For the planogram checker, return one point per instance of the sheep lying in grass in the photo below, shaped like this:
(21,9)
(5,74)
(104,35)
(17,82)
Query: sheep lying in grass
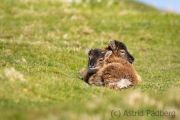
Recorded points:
(110,71)
(118,48)
(95,62)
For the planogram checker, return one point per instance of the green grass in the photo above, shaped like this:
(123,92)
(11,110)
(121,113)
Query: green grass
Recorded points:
(42,47)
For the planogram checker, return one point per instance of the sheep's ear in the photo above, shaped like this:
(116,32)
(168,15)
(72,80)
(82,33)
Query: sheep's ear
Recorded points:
(87,50)
(108,53)
(112,44)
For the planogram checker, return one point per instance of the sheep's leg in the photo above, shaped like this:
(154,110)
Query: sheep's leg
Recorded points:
(96,80)
(86,77)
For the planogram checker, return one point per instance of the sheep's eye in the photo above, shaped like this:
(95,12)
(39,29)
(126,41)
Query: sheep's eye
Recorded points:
(100,60)
(122,52)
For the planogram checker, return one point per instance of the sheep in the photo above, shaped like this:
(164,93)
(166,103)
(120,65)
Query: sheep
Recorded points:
(95,62)
(113,72)
(118,48)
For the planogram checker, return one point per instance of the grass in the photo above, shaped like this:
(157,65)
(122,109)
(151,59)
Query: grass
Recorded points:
(42,46)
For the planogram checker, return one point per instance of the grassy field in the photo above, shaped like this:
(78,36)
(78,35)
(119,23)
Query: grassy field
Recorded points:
(42,47)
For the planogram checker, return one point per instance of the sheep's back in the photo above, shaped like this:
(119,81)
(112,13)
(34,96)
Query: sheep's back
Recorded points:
(115,72)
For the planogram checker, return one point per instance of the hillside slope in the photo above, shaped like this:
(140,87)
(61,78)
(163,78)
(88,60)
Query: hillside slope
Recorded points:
(42,46)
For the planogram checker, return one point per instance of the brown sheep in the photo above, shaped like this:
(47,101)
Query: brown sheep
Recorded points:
(115,73)
(120,50)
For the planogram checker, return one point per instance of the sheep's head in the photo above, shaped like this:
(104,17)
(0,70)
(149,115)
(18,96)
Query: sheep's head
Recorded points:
(119,49)
(96,59)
